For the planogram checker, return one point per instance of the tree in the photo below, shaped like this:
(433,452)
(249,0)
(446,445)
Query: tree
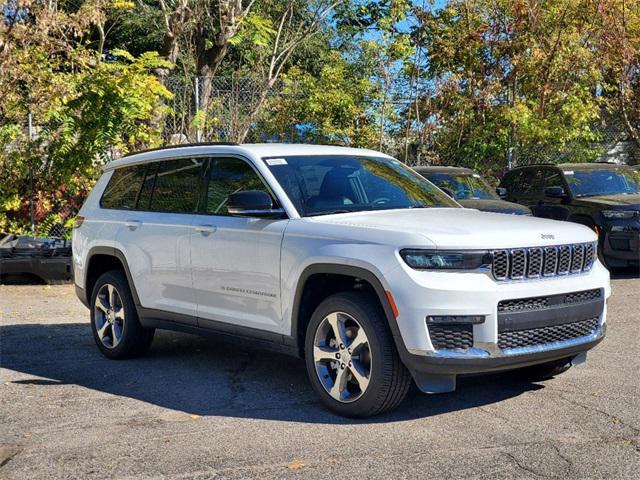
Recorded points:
(511,75)
(328,106)
(619,59)
(84,108)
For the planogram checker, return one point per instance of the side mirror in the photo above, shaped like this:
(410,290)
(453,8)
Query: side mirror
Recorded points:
(501,191)
(252,203)
(555,192)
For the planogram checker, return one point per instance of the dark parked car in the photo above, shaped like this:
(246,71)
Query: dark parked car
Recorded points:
(469,189)
(605,197)
(28,259)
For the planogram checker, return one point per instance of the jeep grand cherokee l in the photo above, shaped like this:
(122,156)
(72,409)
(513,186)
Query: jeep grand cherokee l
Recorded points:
(603,196)
(342,256)
(469,189)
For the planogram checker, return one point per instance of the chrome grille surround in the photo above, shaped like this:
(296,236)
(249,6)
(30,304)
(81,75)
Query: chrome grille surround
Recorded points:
(537,262)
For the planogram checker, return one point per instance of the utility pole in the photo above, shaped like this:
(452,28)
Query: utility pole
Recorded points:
(31,199)
(197,97)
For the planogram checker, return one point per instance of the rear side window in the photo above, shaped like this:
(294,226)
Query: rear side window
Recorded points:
(510,180)
(531,181)
(172,186)
(123,187)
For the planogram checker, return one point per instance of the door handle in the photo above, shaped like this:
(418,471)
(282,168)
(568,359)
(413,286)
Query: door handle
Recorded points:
(205,229)
(133,224)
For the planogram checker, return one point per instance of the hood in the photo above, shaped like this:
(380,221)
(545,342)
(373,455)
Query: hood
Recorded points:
(619,200)
(464,228)
(498,206)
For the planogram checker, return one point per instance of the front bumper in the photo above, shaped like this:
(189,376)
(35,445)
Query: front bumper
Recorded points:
(622,247)
(435,293)
(437,372)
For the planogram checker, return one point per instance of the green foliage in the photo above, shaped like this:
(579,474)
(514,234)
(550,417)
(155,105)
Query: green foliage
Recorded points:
(515,75)
(84,110)
(328,107)
(467,82)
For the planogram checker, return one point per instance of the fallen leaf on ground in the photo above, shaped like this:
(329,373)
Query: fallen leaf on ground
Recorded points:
(295,465)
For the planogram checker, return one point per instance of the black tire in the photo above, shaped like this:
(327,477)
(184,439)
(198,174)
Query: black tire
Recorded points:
(545,371)
(135,339)
(389,380)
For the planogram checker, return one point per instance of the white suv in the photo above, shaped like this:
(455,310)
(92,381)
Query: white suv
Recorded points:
(344,257)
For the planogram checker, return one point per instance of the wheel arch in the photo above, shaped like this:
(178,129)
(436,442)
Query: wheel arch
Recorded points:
(101,260)
(301,312)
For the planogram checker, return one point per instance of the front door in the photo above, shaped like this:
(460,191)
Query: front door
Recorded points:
(549,207)
(235,260)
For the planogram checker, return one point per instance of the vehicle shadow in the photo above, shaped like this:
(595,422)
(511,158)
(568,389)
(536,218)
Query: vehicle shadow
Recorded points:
(201,376)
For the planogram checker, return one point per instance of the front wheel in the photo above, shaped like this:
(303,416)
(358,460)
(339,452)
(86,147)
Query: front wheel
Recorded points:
(351,359)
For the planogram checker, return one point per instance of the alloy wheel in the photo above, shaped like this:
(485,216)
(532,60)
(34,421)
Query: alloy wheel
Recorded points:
(342,357)
(109,316)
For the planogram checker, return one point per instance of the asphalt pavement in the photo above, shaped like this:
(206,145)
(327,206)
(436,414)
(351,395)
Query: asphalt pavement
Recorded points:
(195,408)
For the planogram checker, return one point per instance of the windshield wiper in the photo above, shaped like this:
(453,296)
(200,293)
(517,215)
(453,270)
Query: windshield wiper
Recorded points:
(328,212)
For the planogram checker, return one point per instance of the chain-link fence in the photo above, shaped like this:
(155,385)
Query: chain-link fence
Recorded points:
(237,108)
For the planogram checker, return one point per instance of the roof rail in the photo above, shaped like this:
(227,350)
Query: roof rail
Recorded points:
(180,145)
(535,165)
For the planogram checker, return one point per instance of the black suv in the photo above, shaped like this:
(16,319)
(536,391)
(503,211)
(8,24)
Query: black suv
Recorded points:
(469,189)
(602,196)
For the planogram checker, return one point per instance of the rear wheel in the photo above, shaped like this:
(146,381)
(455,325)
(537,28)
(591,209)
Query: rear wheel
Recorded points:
(114,320)
(351,359)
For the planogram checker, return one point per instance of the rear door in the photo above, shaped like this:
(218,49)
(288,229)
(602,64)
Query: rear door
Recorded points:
(155,236)
(236,260)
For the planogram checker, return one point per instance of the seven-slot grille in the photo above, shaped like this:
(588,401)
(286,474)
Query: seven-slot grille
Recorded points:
(535,262)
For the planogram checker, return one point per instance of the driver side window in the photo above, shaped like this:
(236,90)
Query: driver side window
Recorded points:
(225,176)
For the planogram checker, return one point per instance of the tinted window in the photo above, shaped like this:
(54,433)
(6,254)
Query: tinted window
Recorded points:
(510,180)
(326,184)
(463,186)
(175,185)
(553,178)
(123,187)
(144,198)
(531,181)
(584,183)
(226,176)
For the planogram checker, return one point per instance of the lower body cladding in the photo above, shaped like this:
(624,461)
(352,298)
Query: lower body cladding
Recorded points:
(498,326)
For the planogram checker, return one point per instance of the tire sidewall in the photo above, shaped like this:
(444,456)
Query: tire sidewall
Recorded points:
(118,280)
(370,320)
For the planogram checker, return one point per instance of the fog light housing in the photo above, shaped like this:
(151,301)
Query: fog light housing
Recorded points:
(455,319)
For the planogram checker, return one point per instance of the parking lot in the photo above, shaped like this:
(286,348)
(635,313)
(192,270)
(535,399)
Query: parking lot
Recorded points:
(197,408)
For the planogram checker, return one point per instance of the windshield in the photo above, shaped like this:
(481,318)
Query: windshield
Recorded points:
(325,184)
(587,183)
(463,187)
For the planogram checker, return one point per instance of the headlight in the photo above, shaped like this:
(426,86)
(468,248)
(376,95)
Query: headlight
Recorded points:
(445,260)
(618,214)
